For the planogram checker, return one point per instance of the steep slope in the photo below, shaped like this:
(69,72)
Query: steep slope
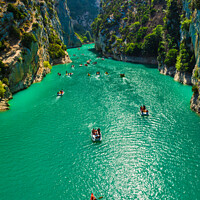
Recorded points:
(129,30)
(31,37)
(83,13)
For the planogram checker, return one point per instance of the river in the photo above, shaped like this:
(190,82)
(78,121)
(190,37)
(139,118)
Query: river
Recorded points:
(46,150)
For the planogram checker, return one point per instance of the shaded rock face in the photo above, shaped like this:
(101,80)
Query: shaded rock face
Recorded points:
(70,39)
(83,13)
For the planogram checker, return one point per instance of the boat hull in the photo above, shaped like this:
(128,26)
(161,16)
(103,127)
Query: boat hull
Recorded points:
(144,113)
(96,138)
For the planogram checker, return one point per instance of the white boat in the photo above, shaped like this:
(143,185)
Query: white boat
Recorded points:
(144,113)
(95,137)
(60,94)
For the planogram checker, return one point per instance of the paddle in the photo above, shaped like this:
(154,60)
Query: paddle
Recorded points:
(100,197)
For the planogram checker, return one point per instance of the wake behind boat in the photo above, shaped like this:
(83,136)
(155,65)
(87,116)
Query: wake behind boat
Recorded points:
(96,135)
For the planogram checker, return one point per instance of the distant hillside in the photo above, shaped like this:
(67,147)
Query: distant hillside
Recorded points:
(129,27)
(83,13)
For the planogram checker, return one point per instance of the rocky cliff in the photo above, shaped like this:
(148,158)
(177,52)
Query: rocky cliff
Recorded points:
(31,40)
(83,13)
(70,39)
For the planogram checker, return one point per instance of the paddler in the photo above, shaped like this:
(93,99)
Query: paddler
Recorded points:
(92,197)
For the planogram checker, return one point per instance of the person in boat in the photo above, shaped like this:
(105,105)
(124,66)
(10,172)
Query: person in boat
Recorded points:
(98,131)
(89,74)
(93,131)
(92,197)
(144,108)
(106,73)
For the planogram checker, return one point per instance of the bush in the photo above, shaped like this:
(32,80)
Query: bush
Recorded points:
(145,19)
(55,51)
(15,32)
(2,64)
(185,25)
(2,45)
(170,59)
(17,14)
(5,80)
(47,64)
(133,49)
(2,90)
(186,59)
(195,89)
(27,39)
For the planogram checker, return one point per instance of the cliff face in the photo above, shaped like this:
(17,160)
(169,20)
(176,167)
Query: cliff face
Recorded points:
(70,39)
(83,13)
(31,38)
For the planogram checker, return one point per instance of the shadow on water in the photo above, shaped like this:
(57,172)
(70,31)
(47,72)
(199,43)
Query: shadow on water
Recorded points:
(97,53)
(93,50)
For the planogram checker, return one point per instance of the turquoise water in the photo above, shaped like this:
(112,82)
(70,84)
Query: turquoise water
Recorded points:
(46,151)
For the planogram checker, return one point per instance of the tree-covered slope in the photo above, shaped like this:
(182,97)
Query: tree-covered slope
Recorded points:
(131,28)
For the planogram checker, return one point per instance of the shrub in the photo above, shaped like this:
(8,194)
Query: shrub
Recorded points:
(17,14)
(185,25)
(170,59)
(2,45)
(185,60)
(195,89)
(55,51)
(47,64)
(2,64)
(145,19)
(27,39)
(15,32)
(133,49)
(2,90)
(5,80)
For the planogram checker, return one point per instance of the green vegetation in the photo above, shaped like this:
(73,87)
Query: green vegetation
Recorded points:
(195,89)
(5,80)
(2,64)
(131,22)
(15,32)
(85,38)
(27,39)
(56,47)
(185,60)
(47,64)
(171,56)
(2,90)
(18,14)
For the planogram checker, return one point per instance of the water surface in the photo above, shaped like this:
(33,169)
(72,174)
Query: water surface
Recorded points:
(46,151)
